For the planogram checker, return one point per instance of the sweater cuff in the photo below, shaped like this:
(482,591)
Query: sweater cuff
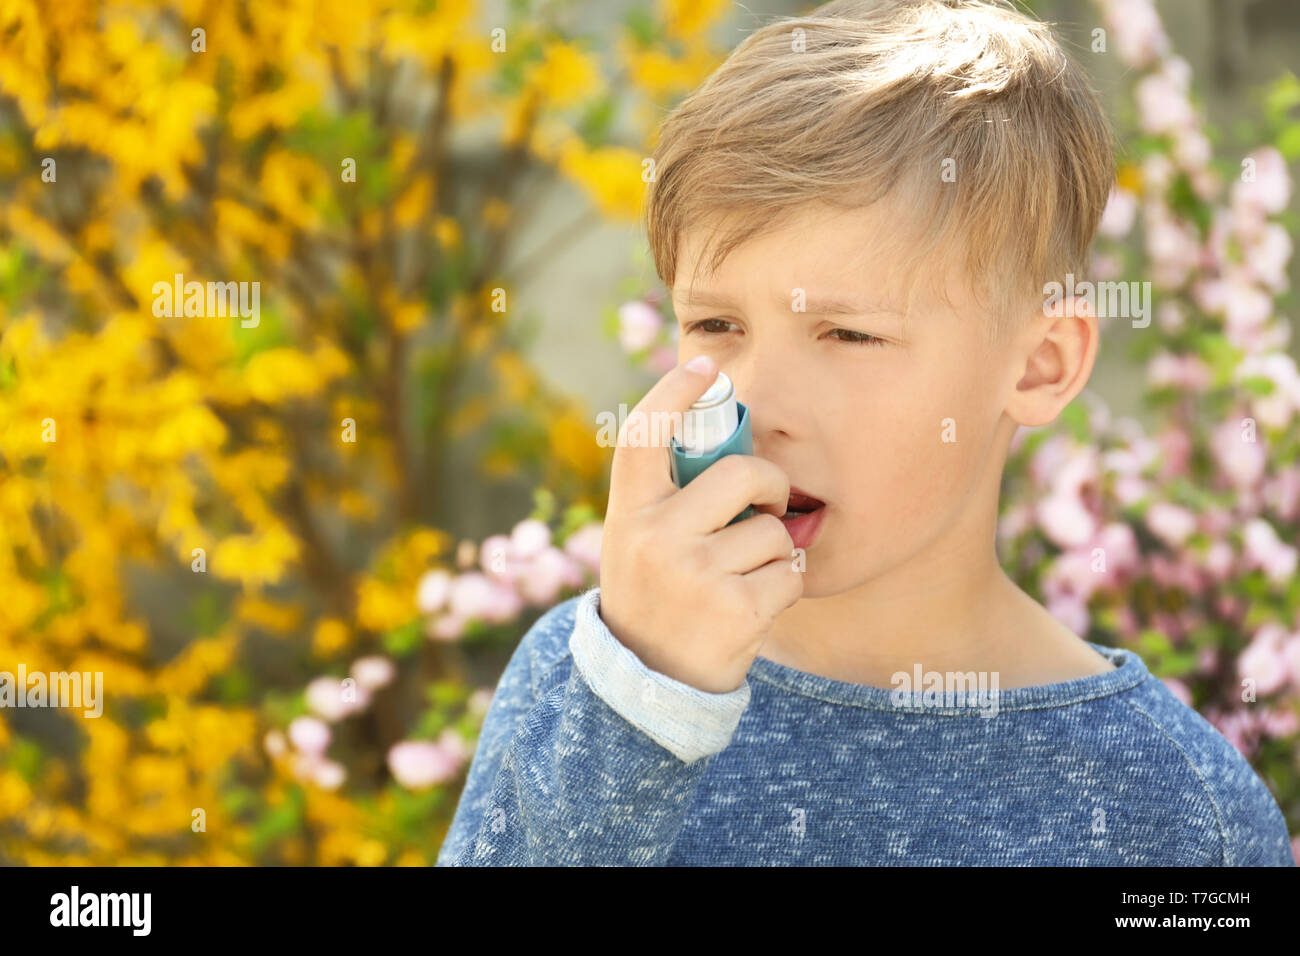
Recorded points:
(689,722)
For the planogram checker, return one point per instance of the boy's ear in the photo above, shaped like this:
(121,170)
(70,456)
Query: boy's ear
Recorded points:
(1054,358)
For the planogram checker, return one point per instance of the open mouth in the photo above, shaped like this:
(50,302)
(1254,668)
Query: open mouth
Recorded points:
(801,503)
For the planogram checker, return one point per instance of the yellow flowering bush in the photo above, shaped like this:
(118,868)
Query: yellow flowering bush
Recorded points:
(256,334)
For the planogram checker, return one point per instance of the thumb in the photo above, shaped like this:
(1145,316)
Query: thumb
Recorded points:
(639,474)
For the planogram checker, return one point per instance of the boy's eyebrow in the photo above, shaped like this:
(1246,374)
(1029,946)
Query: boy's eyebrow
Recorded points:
(819,305)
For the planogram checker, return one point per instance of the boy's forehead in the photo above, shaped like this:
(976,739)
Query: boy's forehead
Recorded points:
(837,261)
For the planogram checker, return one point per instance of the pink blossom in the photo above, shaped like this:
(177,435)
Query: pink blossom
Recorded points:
(1106,267)
(466,554)
(373,672)
(663,359)
(529,538)
(1120,545)
(1264,550)
(1176,451)
(1178,689)
(1171,523)
(639,324)
(433,591)
(1266,258)
(1236,727)
(1271,189)
(1228,607)
(1174,247)
(545,575)
(1162,101)
(479,702)
(503,604)
(328,774)
(1279,368)
(448,627)
(1117,218)
(1185,372)
(1048,457)
(1016,521)
(1290,652)
(472,594)
(1262,660)
(1279,722)
(584,545)
(309,735)
(1065,519)
(1241,461)
(1071,573)
(1282,493)
(328,697)
(275,744)
(1218,561)
(1070,611)
(1139,35)
(419,764)
(1131,489)
(1169,316)
(454,746)
(1191,148)
(496,557)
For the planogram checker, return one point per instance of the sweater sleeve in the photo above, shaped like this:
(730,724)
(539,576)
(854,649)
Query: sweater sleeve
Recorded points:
(597,768)
(1253,827)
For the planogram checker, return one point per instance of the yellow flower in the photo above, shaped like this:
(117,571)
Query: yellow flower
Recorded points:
(573,442)
(411,204)
(447,231)
(686,18)
(330,636)
(271,617)
(566,74)
(610,174)
(276,374)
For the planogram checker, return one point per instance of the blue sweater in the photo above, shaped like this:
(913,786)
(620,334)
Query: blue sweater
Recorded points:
(588,757)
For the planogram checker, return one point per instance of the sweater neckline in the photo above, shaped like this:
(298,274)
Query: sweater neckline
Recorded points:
(1130,670)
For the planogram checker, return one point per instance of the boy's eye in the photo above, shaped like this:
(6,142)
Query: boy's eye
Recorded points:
(853,337)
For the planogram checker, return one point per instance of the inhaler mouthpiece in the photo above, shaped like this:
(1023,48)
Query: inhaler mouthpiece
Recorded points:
(711,420)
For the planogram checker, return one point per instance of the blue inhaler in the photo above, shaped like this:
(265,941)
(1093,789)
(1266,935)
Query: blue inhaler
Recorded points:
(715,426)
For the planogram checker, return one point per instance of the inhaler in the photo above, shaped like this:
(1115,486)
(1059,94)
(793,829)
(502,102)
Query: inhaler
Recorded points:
(715,426)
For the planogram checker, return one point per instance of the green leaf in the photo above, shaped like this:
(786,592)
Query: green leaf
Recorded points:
(595,124)
(402,641)
(269,333)
(640,22)
(25,757)
(1075,417)
(1283,96)
(1258,384)
(1288,142)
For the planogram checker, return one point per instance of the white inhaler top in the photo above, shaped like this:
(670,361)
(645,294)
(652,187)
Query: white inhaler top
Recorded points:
(711,420)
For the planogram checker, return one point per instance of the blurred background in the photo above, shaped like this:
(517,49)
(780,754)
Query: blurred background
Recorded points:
(301,540)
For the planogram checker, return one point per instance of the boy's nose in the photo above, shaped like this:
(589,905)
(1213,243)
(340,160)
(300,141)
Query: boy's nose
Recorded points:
(760,391)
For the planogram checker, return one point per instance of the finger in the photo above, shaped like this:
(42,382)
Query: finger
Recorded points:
(749,544)
(774,587)
(724,490)
(639,473)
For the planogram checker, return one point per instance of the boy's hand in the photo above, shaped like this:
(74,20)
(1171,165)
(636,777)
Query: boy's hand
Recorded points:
(693,598)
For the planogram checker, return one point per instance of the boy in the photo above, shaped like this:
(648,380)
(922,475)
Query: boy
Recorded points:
(892,183)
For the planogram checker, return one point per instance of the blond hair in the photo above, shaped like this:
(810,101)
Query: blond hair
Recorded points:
(842,104)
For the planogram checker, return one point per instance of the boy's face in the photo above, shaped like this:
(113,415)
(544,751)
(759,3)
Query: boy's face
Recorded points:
(903,439)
